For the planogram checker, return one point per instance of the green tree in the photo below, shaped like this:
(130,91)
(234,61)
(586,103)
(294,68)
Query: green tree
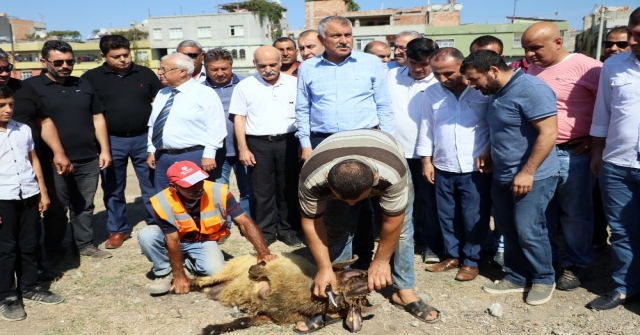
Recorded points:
(66,35)
(133,34)
(352,6)
(267,10)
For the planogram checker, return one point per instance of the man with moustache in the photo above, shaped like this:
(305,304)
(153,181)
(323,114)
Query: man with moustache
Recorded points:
(289,55)
(193,50)
(309,45)
(400,48)
(263,106)
(574,79)
(378,49)
(615,42)
(78,114)
(524,170)
(126,90)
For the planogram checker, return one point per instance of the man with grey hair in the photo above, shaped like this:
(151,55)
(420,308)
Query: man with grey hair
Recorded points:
(218,64)
(400,48)
(263,106)
(193,49)
(186,123)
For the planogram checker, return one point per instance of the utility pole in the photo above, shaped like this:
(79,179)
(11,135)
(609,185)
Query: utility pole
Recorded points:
(600,31)
(513,18)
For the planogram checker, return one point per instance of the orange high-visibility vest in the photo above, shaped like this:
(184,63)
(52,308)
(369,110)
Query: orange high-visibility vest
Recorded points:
(213,213)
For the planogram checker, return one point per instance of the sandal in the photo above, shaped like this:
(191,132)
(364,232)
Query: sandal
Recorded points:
(420,310)
(317,322)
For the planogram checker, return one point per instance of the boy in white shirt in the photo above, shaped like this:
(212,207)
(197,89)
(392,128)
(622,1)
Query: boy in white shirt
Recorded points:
(23,196)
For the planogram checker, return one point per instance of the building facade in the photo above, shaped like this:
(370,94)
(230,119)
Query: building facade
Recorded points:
(587,41)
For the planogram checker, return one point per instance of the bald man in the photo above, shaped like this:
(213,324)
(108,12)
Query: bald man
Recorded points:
(379,49)
(309,44)
(263,107)
(574,79)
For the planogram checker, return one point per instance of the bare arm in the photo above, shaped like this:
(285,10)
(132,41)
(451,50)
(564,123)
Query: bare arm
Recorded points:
(44,196)
(379,273)
(240,128)
(598,144)
(180,280)
(103,139)
(316,234)
(254,236)
(49,134)
(428,170)
(547,133)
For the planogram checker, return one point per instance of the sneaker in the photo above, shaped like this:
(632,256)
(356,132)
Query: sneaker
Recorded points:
(94,252)
(569,279)
(428,256)
(291,240)
(42,296)
(160,285)
(11,309)
(540,293)
(503,286)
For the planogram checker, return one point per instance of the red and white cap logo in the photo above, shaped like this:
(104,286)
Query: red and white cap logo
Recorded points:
(186,174)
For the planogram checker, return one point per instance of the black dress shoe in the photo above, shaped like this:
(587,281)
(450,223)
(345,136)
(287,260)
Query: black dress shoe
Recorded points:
(608,301)
(291,240)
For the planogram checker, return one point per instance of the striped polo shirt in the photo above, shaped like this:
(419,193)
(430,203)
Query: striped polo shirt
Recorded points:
(376,148)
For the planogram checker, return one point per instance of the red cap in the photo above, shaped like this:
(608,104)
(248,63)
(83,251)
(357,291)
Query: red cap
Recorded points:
(185,174)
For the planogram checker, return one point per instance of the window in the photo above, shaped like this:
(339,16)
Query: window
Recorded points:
(242,55)
(237,31)
(517,43)
(449,42)
(204,32)
(142,56)
(175,33)
(26,74)
(157,33)
(362,42)
(234,53)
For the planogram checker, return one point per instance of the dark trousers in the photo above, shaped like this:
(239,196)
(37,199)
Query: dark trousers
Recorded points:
(18,243)
(165,160)
(275,172)
(74,193)
(600,233)
(114,180)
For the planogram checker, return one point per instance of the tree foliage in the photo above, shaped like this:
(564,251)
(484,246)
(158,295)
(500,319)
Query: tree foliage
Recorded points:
(267,10)
(133,34)
(66,35)
(352,6)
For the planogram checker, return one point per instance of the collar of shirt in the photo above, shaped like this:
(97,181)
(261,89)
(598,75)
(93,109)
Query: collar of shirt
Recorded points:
(106,69)
(263,82)
(234,81)
(202,77)
(351,58)
(71,81)
(184,86)
(405,71)
(517,73)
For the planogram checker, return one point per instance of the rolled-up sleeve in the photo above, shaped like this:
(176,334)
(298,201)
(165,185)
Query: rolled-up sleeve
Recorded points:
(425,133)
(215,122)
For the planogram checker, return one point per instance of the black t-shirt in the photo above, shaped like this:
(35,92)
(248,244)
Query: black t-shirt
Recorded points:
(71,106)
(127,99)
(28,107)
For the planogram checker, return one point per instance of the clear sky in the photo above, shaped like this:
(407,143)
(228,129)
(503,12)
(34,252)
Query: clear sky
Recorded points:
(85,16)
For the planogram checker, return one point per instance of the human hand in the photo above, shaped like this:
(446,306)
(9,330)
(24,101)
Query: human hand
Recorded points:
(104,159)
(180,284)
(151,160)
(304,153)
(583,145)
(322,280)
(246,158)
(63,164)
(428,171)
(522,184)
(267,257)
(208,164)
(379,275)
(44,203)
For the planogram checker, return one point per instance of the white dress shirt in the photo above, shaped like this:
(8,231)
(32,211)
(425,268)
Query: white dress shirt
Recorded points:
(202,77)
(269,109)
(616,114)
(196,118)
(454,132)
(17,178)
(406,103)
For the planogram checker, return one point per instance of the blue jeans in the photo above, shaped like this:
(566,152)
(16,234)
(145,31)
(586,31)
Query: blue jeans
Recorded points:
(464,207)
(425,212)
(247,200)
(522,222)
(114,180)
(341,221)
(571,206)
(620,188)
(201,258)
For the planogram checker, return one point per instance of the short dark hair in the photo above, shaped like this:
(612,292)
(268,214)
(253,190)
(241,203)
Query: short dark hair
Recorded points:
(419,49)
(617,30)
(214,55)
(634,18)
(5,92)
(56,45)
(447,52)
(111,42)
(285,39)
(350,178)
(485,40)
(482,61)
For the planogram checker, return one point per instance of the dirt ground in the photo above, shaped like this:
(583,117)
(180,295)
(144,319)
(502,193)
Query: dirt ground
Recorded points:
(109,297)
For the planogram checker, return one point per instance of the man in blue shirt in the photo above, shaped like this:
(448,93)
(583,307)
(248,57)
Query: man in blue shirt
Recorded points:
(218,65)
(523,128)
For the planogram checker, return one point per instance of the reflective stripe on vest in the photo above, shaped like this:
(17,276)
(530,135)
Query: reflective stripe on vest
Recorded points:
(213,213)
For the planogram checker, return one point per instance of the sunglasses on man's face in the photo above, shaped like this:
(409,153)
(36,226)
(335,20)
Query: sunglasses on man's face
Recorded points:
(620,45)
(7,68)
(59,62)
(192,55)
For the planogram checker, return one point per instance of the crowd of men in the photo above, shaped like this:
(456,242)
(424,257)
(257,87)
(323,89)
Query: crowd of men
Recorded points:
(343,148)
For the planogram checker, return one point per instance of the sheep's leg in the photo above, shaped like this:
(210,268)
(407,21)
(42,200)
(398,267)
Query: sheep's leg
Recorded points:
(240,323)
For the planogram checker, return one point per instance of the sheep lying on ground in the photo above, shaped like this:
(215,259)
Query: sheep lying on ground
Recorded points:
(281,292)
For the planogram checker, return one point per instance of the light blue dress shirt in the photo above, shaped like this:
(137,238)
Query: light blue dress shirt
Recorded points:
(346,96)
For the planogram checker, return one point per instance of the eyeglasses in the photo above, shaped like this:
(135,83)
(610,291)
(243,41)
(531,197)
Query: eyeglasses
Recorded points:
(192,55)
(163,70)
(401,47)
(59,62)
(7,68)
(620,45)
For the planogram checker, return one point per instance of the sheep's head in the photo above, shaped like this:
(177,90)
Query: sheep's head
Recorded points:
(352,292)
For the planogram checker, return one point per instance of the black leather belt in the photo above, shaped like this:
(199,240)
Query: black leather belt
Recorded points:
(180,151)
(131,134)
(567,146)
(271,138)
